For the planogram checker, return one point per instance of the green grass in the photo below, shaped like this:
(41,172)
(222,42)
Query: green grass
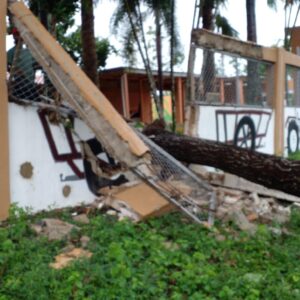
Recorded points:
(294,156)
(164,258)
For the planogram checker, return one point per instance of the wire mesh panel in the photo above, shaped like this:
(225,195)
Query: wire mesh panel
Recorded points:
(222,78)
(178,184)
(26,78)
(292,86)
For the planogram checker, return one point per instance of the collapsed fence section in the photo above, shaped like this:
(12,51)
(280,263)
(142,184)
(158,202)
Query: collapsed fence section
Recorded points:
(41,71)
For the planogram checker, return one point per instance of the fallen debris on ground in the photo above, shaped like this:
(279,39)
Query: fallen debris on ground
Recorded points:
(136,201)
(243,206)
(64,259)
(54,229)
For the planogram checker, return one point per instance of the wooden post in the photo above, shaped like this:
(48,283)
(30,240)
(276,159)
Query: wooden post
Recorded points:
(4,152)
(179,102)
(241,91)
(146,110)
(278,104)
(125,96)
(222,91)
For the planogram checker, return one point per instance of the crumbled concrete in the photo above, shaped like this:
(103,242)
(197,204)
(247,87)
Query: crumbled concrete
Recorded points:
(84,240)
(56,229)
(242,222)
(82,219)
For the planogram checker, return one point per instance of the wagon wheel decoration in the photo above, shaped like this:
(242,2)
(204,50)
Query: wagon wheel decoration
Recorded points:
(293,137)
(244,136)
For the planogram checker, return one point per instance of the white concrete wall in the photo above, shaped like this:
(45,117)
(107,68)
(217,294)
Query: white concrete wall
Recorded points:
(28,144)
(291,114)
(208,125)
(219,120)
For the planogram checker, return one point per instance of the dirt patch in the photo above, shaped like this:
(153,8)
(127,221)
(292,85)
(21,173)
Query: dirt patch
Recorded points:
(26,170)
(66,191)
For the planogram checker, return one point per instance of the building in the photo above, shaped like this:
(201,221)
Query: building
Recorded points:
(128,90)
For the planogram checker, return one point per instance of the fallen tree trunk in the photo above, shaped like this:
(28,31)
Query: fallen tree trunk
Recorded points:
(268,170)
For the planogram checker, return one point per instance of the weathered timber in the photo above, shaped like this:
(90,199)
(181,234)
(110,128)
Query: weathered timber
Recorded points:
(268,170)
(4,140)
(207,39)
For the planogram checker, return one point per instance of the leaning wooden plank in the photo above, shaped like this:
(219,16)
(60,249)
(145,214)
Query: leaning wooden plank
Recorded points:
(4,154)
(109,127)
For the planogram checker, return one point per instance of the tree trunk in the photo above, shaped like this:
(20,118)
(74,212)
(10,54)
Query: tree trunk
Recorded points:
(144,54)
(268,170)
(251,21)
(158,39)
(208,69)
(89,54)
(254,89)
(172,59)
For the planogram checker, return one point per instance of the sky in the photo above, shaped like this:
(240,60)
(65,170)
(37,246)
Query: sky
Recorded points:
(270,24)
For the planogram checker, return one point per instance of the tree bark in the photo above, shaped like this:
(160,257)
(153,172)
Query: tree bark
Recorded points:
(268,170)
(254,89)
(158,39)
(208,68)
(89,54)
(251,21)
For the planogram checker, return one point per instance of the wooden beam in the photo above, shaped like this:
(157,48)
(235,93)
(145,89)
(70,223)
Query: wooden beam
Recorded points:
(269,54)
(207,39)
(88,92)
(4,139)
(146,110)
(278,104)
(291,58)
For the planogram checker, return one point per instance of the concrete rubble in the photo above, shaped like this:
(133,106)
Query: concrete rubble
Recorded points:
(247,206)
(54,229)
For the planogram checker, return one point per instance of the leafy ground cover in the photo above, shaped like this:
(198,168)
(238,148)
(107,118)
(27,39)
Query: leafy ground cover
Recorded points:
(163,258)
(294,156)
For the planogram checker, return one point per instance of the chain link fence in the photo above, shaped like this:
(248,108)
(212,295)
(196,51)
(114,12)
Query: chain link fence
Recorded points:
(26,79)
(292,86)
(222,78)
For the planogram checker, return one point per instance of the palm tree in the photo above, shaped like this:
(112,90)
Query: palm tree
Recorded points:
(209,11)
(290,24)
(253,90)
(161,11)
(172,62)
(251,21)
(89,51)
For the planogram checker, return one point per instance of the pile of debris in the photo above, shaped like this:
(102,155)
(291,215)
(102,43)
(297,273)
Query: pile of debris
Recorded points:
(237,200)
(240,201)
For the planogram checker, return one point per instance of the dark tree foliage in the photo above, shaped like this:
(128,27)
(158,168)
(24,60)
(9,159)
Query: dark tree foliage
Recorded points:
(72,43)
